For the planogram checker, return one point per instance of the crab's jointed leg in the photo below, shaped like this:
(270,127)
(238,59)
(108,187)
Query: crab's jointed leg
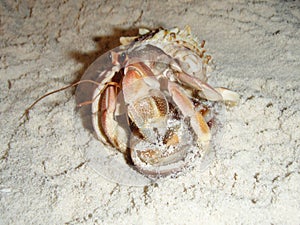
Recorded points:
(186,106)
(230,98)
(105,118)
(208,92)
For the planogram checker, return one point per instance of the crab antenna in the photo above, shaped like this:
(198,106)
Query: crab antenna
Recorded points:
(26,113)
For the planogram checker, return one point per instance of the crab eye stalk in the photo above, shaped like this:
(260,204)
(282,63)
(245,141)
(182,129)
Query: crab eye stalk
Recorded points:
(114,57)
(122,57)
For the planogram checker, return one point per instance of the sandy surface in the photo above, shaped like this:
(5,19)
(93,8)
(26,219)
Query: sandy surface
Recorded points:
(254,175)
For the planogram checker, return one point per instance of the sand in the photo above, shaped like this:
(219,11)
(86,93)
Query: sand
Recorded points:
(253,174)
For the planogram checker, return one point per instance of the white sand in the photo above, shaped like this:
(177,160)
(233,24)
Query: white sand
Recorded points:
(254,177)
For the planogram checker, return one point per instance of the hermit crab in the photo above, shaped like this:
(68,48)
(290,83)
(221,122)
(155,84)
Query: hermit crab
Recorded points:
(150,99)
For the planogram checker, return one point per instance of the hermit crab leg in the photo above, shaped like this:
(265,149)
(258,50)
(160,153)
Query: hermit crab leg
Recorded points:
(231,98)
(104,119)
(104,106)
(207,91)
(186,106)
